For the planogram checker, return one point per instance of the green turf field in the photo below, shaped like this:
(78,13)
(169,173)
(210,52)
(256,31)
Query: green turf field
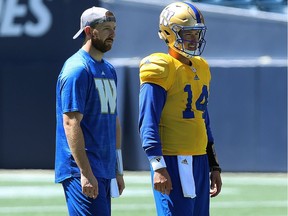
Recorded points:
(31,193)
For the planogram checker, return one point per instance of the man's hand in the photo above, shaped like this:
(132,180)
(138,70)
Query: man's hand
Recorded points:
(162,181)
(216,183)
(89,186)
(121,183)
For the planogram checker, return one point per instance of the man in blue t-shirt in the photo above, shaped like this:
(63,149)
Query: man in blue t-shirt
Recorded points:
(88,150)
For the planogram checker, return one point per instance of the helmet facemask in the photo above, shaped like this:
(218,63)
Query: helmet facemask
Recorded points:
(197,39)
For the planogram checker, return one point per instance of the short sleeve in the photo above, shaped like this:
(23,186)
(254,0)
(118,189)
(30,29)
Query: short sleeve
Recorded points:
(74,88)
(156,69)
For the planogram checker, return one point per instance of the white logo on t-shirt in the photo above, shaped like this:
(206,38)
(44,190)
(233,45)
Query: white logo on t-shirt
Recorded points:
(107,94)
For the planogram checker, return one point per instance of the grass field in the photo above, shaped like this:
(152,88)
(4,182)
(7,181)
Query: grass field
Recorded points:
(32,192)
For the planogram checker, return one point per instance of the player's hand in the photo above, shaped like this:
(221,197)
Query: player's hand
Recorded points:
(89,186)
(162,181)
(216,183)
(121,183)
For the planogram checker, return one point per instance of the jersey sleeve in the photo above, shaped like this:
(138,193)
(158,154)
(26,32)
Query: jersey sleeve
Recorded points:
(151,102)
(73,88)
(156,69)
(208,129)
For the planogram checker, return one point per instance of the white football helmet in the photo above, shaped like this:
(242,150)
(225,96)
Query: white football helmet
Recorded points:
(182,16)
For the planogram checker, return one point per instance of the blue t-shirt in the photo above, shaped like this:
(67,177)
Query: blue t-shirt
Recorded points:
(89,87)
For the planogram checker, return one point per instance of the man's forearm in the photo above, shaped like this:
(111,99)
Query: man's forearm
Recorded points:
(76,144)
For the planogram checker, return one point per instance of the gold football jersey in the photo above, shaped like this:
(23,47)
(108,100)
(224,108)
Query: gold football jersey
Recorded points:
(182,127)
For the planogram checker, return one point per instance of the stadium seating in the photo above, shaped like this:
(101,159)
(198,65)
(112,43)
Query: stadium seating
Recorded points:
(278,6)
(272,5)
(231,3)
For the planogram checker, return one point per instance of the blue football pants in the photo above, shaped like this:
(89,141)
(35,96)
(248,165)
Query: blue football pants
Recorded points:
(81,205)
(176,204)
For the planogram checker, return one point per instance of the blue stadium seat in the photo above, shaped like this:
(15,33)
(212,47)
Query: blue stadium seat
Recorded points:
(216,2)
(208,1)
(238,3)
(272,5)
(229,3)
(279,6)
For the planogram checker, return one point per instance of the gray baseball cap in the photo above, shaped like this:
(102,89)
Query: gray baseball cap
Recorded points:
(92,16)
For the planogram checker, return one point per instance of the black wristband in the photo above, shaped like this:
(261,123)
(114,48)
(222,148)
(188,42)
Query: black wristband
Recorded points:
(212,158)
(215,169)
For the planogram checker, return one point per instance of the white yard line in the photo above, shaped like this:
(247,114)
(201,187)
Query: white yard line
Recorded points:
(144,177)
(61,209)
(141,206)
(19,192)
(32,209)
(46,192)
(249,204)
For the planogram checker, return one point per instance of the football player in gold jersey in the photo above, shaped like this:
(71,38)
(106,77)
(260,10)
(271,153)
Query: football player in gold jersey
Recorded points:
(173,116)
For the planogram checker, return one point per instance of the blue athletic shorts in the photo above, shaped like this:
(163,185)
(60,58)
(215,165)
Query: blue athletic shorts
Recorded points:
(176,204)
(80,205)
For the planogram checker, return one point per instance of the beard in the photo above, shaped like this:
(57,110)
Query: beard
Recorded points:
(102,46)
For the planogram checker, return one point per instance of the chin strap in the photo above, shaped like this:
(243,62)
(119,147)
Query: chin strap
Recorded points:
(213,161)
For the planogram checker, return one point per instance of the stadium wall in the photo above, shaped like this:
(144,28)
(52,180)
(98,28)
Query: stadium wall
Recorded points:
(247,53)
